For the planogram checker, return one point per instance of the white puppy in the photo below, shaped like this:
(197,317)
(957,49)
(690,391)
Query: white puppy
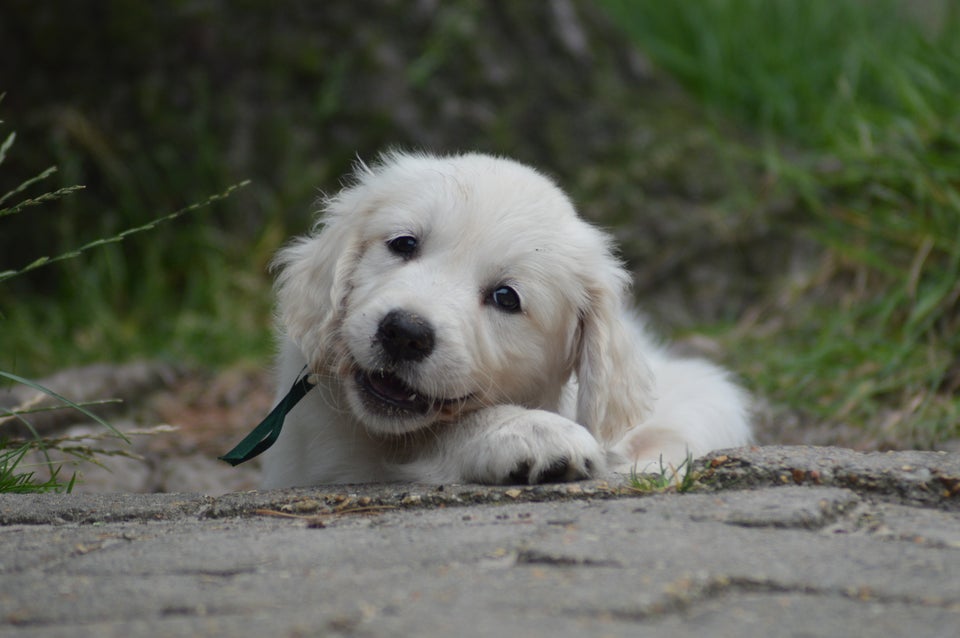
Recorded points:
(464,325)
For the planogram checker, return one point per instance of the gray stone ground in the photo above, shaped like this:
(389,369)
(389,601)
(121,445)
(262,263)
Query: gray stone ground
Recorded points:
(776,541)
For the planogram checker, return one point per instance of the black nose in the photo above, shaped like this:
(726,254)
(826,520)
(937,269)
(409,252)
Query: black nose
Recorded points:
(405,336)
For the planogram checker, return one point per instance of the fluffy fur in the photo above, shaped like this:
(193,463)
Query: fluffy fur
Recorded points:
(465,325)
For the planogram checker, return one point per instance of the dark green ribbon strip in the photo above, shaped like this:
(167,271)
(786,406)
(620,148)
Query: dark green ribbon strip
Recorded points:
(265,434)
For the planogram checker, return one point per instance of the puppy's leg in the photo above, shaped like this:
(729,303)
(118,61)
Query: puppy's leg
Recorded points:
(697,408)
(509,444)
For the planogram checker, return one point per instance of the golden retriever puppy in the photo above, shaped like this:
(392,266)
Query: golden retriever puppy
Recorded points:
(463,324)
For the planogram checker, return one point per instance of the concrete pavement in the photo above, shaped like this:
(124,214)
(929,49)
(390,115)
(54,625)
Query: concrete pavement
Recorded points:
(775,541)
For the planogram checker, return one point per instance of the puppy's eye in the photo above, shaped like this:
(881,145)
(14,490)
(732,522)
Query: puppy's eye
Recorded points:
(405,245)
(506,299)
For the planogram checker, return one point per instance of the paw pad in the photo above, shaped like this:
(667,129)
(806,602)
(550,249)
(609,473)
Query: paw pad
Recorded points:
(558,471)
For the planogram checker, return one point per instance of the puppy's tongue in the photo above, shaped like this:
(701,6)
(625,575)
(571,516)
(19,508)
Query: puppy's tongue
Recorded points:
(391,387)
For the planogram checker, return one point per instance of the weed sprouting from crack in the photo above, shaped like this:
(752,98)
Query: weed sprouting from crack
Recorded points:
(668,478)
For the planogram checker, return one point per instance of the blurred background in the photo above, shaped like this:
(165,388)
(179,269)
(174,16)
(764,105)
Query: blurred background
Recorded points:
(783,176)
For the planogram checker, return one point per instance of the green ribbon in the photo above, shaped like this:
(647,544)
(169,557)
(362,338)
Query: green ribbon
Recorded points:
(265,434)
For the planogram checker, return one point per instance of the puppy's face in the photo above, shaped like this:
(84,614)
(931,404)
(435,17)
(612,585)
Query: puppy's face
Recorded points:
(458,283)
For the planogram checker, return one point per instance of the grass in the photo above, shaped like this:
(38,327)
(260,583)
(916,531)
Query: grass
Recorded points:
(13,452)
(14,479)
(665,479)
(169,293)
(857,105)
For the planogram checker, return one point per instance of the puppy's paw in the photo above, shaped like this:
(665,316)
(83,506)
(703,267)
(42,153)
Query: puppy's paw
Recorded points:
(532,446)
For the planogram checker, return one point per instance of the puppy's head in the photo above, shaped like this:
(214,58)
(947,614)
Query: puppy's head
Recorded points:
(435,286)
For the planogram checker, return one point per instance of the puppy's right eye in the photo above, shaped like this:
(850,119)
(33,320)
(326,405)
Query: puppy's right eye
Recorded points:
(405,246)
(506,299)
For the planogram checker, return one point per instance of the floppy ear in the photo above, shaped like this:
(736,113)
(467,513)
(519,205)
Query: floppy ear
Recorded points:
(314,274)
(615,383)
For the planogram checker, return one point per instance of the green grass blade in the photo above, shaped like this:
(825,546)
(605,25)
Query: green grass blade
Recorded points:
(64,400)
(24,186)
(7,143)
(14,481)
(36,201)
(42,261)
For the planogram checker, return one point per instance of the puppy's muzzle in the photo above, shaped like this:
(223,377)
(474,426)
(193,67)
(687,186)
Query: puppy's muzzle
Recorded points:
(405,336)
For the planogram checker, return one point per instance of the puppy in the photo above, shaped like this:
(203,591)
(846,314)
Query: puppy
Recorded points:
(463,324)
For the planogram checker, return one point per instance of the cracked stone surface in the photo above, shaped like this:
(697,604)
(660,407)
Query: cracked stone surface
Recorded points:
(921,478)
(864,557)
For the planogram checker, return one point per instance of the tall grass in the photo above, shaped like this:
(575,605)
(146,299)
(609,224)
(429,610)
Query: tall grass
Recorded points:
(13,453)
(859,104)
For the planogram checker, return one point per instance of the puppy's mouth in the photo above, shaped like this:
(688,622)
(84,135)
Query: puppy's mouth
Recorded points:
(386,393)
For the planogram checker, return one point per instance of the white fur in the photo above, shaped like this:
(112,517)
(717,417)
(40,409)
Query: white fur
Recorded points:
(568,388)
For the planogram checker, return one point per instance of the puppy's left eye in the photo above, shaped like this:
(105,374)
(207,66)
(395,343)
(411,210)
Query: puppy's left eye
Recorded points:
(405,245)
(506,299)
